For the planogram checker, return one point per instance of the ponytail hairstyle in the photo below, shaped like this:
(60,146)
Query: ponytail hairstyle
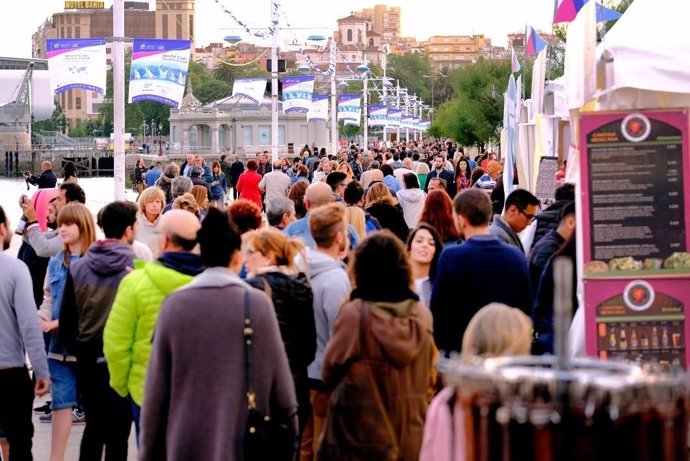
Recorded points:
(270,240)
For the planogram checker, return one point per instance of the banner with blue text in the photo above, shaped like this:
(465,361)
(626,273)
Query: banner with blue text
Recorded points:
(159,71)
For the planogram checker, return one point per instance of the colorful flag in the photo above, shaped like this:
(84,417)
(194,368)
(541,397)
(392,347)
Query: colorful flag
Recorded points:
(566,10)
(606,14)
(77,63)
(297,93)
(514,63)
(318,111)
(534,44)
(159,70)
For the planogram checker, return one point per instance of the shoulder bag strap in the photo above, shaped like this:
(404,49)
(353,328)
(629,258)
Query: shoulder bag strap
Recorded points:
(248,334)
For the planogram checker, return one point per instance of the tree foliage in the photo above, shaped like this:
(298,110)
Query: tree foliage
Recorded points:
(475,115)
(56,122)
(412,71)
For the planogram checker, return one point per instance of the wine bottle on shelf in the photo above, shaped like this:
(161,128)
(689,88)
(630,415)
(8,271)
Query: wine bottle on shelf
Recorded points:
(664,337)
(644,340)
(634,343)
(612,338)
(623,342)
(655,338)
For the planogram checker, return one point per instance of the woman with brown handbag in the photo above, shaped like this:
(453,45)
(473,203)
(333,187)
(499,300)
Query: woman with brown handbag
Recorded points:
(381,375)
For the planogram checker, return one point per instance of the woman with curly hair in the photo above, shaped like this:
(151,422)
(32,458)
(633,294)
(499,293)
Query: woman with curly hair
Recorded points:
(438,211)
(245,214)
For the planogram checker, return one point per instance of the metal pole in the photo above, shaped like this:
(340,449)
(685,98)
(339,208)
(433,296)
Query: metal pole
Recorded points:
(397,106)
(274,81)
(334,120)
(119,97)
(366,111)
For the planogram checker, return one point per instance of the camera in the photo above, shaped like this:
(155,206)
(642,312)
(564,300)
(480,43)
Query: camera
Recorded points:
(21,225)
(27,173)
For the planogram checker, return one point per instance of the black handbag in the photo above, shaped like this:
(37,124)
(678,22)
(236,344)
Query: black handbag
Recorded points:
(266,437)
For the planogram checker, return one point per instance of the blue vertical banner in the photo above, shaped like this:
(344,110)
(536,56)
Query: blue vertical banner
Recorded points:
(394,116)
(159,71)
(77,63)
(318,111)
(407,121)
(349,107)
(378,115)
(297,93)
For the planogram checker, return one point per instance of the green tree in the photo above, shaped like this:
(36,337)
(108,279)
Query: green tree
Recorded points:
(212,90)
(476,114)
(410,71)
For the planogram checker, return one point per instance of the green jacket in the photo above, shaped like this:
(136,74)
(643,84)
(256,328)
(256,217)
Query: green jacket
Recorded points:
(127,338)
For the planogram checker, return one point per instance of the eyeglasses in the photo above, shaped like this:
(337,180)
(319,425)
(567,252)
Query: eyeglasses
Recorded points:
(530,217)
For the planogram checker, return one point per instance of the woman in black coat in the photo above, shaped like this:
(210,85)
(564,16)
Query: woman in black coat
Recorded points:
(270,262)
(386,209)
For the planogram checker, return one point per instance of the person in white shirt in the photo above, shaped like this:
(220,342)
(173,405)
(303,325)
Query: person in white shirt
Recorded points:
(275,183)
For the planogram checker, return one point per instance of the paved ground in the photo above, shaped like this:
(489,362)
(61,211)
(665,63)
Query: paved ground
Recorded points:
(41,448)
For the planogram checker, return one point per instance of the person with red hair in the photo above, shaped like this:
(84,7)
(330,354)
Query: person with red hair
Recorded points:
(438,211)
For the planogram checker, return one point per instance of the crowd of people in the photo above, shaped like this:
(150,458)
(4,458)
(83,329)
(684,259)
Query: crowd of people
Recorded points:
(319,291)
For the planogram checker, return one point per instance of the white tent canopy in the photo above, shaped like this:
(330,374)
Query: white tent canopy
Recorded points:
(647,56)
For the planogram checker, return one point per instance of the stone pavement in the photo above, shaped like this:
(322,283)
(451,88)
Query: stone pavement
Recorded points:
(41,447)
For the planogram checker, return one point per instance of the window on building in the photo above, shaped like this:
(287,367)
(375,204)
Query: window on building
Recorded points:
(69,100)
(178,23)
(247,135)
(69,19)
(77,32)
(371,42)
(265,135)
(191,26)
(349,35)
(164,20)
(77,103)
(69,32)
(281,135)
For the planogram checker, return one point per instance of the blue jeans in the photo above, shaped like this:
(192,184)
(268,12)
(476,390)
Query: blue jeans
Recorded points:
(136,413)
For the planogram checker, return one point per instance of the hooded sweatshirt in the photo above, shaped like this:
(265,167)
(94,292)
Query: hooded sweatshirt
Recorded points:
(412,203)
(399,340)
(91,287)
(331,287)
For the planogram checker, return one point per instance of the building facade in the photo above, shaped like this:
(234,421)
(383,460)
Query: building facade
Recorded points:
(239,125)
(453,51)
(383,20)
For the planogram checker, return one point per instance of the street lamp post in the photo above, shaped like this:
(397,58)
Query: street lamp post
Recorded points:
(160,144)
(274,82)
(144,126)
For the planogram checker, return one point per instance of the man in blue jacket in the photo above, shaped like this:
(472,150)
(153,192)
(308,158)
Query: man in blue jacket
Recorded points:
(480,271)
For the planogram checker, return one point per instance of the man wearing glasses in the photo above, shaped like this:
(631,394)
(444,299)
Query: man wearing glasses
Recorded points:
(520,210)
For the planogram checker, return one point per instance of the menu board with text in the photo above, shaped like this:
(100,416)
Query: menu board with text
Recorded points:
(635,174)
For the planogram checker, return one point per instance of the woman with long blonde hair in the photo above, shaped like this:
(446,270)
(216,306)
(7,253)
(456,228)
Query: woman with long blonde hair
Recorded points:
(77,230)
(385,208)
(357,219)
(271,267)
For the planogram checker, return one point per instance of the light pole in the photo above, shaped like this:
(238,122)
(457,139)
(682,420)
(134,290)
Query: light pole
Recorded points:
(119,98)
(160,144)
(144,126)
(274,80)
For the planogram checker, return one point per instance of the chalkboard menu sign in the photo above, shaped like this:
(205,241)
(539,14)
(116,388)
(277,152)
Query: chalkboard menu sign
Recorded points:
(546,181)
(636,204)
(634,201)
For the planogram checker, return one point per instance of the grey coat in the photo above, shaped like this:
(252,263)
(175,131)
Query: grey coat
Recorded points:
(194,404)
(505,233)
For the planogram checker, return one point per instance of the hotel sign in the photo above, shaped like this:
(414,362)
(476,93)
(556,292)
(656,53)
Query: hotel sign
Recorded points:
(84,5)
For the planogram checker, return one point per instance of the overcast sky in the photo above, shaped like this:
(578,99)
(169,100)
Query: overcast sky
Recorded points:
(420,18)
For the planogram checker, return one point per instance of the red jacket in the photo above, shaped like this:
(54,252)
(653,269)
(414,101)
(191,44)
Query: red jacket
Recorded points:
(248,186)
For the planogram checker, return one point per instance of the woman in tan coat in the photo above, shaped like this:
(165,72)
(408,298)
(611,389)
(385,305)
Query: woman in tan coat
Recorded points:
(380,360)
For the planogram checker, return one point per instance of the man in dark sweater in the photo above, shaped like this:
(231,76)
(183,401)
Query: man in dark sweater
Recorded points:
(550,243)
(47,180)
(90,290)
(480,271)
